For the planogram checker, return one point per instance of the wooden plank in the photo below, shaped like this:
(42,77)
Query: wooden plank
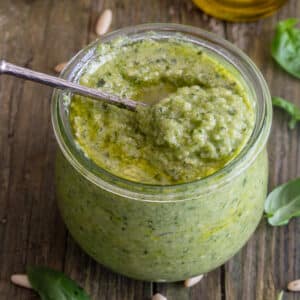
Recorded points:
(31,231)
(41,36)
(27,106)
(97,280)
(184,12)
(209,288)
(270,259)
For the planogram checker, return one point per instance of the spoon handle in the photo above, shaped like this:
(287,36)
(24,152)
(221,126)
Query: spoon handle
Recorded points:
(11,69)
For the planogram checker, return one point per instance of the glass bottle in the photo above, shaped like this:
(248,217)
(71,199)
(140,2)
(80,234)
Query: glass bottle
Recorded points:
(239,10)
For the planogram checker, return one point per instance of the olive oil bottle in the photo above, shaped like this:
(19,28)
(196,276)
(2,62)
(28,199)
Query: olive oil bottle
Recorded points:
(239,10)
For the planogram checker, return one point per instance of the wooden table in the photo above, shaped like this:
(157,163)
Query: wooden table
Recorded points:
(40,34)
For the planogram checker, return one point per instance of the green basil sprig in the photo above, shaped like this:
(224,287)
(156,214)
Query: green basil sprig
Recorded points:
(283,203)
(54,285)
(286,46)
(290,108)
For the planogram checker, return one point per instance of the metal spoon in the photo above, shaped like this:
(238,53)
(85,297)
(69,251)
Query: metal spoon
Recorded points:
(11,69)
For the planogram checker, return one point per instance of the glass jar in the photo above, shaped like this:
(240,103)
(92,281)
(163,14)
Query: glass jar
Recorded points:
(164,233)
(239,10)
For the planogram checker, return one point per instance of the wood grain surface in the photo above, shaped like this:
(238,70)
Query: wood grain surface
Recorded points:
(41,34)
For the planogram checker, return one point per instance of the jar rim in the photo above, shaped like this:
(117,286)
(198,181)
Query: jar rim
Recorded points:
(148,192)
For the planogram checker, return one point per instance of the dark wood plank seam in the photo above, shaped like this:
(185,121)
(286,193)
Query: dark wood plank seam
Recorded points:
(11,128)
(10,132)
(222,268)
(9,191)
(223,282)
(68,235)
(89,28)
(50,8)
(41,185)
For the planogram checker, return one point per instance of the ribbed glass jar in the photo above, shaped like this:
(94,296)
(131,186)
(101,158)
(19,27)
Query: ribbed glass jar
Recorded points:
(164,233)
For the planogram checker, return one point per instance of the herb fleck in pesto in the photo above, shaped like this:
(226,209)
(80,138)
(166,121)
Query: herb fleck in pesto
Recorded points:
(199,120)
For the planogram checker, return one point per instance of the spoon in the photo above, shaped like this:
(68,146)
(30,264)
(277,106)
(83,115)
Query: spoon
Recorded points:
(17,71)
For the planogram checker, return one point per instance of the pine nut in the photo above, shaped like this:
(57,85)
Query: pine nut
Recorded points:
(158,296)
(21,280)
(58,68)
(294,286)
(104,22)
(192,281)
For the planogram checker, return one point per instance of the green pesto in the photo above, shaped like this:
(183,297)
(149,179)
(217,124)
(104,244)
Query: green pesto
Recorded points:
(162,241)
(198,121)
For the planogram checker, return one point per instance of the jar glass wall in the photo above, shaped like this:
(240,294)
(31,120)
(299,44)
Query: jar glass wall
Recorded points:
(164,233)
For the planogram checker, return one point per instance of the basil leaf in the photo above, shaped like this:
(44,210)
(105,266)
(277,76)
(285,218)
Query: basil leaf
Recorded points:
(283,203)
(280,295)
(286,46)
(54,285)
(290,108)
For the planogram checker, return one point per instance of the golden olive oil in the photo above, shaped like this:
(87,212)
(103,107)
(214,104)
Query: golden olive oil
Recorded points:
(239,10)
